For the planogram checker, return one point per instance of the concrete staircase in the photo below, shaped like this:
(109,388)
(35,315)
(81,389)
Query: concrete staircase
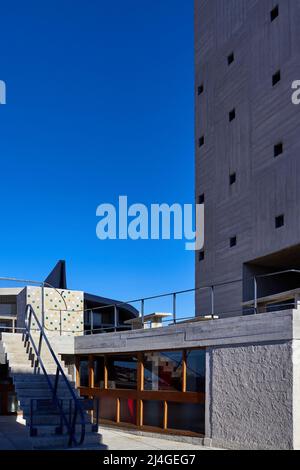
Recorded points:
(30,383)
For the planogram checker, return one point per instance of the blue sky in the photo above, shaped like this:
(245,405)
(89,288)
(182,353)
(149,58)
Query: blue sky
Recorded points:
(99,104)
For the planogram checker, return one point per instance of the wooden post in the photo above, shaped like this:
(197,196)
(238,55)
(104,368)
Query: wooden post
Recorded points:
(140,372)
(91,371)
(140,413)
(118,411)
(165,422)
(184,371)
(105,374)
(140,388)
(77,374)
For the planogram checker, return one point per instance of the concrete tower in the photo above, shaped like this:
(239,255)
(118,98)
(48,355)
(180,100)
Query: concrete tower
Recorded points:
(247,132)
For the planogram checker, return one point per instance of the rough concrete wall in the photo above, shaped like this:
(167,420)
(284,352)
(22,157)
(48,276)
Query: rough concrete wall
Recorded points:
(251,396)
(296,393)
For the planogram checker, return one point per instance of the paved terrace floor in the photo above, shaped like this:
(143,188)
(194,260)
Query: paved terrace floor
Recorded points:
(14,436)
(122,440)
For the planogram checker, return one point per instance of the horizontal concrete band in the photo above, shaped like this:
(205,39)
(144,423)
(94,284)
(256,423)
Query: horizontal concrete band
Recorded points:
(267,327)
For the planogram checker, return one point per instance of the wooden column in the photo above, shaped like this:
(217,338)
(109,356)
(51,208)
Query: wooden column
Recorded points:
(77,375)
(91,371)
(105,374)
(140,388)
(118,411)
(165,422)
(140,372)
(184,371)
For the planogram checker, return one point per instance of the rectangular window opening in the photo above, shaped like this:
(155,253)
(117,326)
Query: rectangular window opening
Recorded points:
(278,149)
(232,115)
(276,78)
(201,199)
(274,13)
(232,179)
(233,242)
(230,58)
(279,221)
(200,89)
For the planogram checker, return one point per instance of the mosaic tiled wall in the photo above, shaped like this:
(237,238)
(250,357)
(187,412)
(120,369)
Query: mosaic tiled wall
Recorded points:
(63,309)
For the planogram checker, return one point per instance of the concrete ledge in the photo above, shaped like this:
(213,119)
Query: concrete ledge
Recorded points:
(262,328)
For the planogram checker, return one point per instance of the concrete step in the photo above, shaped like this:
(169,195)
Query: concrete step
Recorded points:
(43,394)
(56,442)
(51,429)
(25,404)
(42,387)
(51,419)
(27,369)
(17,354)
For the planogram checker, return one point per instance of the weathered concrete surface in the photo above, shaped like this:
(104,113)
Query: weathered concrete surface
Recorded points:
(237,330)
(251,399)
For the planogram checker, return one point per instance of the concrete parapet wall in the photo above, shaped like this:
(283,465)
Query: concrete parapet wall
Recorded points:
(236,330)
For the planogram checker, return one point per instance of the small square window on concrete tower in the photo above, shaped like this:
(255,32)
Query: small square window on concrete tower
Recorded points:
(201,199)
(201,255)
(278,149)
(232,115)
(276,78)
(200,89)
(274,13)
(279,221)
(201,141)
(233,242)
(230,58)
(232,178)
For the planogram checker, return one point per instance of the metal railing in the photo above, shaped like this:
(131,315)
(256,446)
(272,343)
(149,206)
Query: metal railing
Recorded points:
(68,420)
(268,275)
(175,317)
(115,325)
(174,295)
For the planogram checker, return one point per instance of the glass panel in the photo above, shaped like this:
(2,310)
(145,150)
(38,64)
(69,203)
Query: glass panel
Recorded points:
(128,411)
(84,372)
(122,372)
(163,370)
(99,372)
(153,413)
(195,370)
(186,417)
(108,408)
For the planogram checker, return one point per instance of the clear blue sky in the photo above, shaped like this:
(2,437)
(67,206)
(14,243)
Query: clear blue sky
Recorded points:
(99,104)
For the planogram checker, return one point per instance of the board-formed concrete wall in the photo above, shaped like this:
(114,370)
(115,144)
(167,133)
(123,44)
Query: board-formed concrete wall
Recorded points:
(251,399)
